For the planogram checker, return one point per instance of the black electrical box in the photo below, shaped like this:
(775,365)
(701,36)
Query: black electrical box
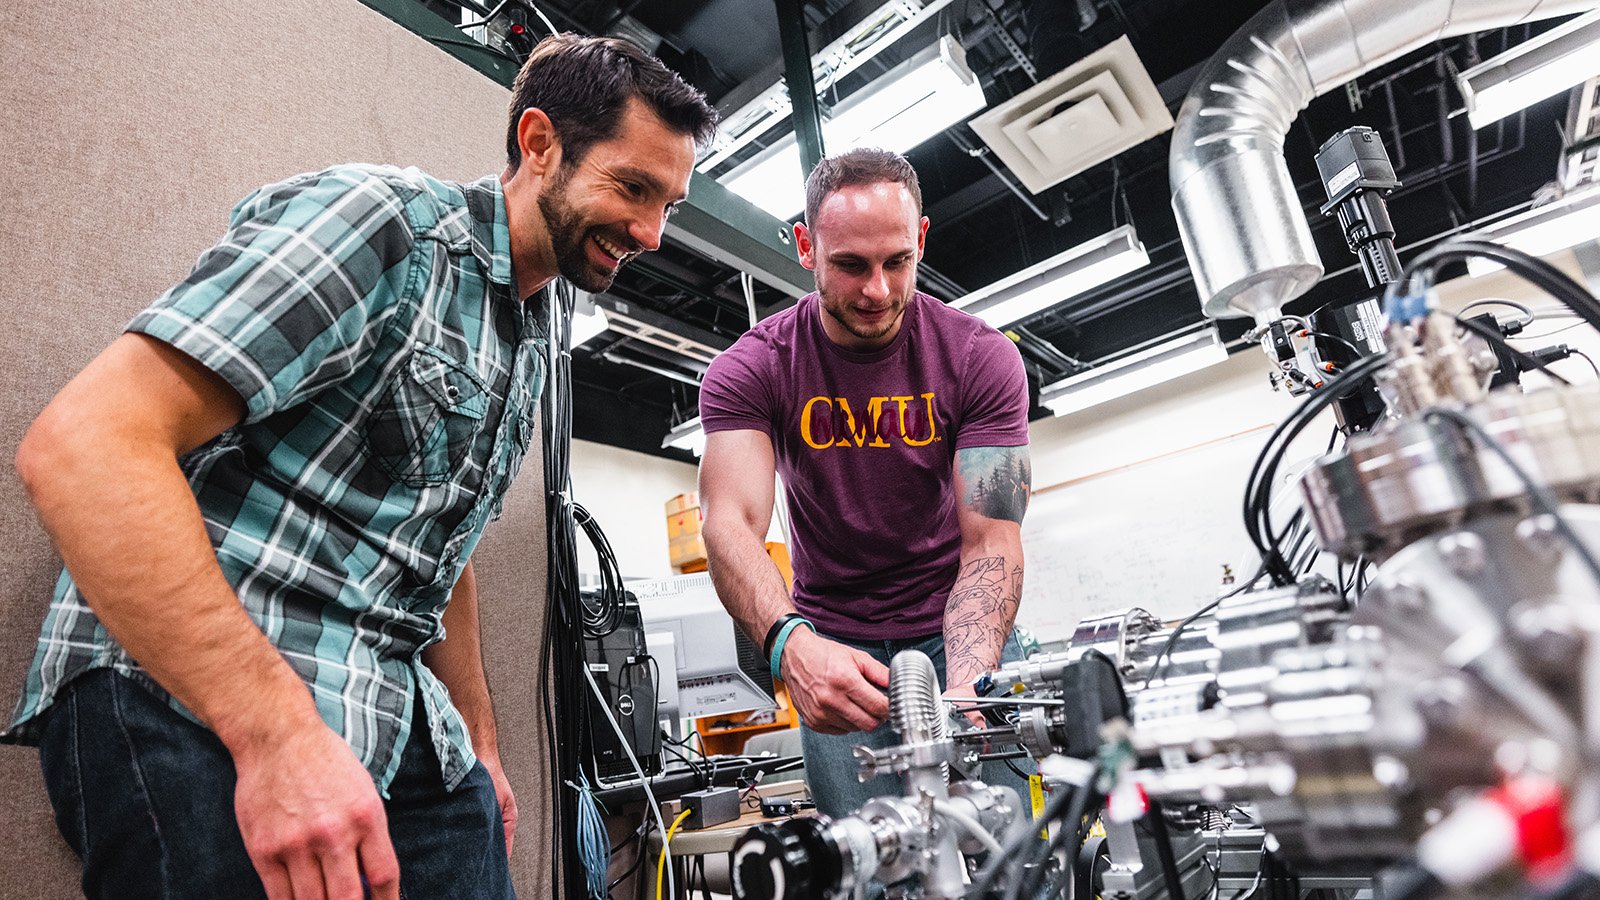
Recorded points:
(622,667)
(1354,160)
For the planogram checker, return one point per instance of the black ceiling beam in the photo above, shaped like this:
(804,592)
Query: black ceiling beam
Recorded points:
(802,86)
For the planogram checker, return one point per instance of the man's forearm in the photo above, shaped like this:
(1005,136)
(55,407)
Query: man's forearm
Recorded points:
(980,611)
(746,579)
(126,524)
(458,662)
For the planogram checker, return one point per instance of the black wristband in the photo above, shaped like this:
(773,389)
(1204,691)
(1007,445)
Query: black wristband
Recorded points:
(772,633)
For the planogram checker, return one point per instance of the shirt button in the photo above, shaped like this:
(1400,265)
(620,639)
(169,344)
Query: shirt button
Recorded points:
(452,392)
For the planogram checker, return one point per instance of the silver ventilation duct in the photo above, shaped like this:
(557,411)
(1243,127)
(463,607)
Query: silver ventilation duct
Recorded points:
(1242,225)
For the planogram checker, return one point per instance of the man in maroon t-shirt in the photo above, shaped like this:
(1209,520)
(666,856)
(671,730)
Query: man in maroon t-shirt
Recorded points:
(900,427)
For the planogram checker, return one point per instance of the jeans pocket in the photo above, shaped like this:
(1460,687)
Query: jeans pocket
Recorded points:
(427,419)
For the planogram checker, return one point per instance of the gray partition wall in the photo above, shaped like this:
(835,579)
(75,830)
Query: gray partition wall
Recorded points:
(127,130)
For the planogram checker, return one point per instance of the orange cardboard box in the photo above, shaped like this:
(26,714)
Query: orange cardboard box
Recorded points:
(684,523)
(683,502)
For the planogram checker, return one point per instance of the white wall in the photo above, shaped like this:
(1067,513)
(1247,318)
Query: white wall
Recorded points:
(1226,399)
(627,494)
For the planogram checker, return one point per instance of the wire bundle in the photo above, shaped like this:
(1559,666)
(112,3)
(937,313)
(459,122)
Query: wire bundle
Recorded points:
(1258,487)
(565,713)
(570,620)
(594,848)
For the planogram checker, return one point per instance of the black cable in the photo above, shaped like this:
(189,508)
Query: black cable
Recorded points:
(1532,269)
(1084,802)
(1493,336)
(1355,352)
(568,619)
(1021,833)
(638,856)
(1590,360)
(566,709)
(1258,486)
(1166,649)
(704,771)
(606,615)
(1169,861)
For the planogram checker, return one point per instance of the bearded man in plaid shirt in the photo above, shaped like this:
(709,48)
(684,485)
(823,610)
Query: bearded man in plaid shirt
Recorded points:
(267,493)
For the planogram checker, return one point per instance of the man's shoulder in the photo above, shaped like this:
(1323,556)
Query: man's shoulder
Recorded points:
(363,189)
(957,326)
(761,351)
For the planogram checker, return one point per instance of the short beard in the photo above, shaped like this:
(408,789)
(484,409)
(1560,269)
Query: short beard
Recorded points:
(568,235)
(873,335)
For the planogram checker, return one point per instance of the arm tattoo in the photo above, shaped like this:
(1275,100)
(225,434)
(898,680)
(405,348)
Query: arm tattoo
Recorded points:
(978,617)
(997,481)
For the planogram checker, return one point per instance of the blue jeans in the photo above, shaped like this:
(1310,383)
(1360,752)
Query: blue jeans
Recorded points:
(830,759)
(145,798)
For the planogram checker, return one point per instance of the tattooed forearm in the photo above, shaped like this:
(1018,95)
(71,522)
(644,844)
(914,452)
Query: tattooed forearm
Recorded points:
(995,481)
(978,617)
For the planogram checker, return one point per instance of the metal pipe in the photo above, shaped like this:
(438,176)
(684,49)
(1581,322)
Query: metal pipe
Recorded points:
(917,713)
(1243,229)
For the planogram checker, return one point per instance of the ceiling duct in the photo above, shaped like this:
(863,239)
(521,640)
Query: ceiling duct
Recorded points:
(1243,227)
(1085,114)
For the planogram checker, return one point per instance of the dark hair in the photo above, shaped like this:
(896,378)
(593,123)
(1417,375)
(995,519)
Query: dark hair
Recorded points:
(867,165)
(584,83)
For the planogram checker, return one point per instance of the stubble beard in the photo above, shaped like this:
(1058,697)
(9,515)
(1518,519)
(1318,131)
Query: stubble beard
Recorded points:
(838,311)
(569,235)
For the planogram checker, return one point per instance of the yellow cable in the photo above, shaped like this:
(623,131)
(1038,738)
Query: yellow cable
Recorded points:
(661,861)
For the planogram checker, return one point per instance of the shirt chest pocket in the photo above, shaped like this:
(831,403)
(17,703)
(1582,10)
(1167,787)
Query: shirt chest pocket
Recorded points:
(427,419)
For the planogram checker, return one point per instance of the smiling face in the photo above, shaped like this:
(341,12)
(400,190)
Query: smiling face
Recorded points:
(611,205)
(863,245)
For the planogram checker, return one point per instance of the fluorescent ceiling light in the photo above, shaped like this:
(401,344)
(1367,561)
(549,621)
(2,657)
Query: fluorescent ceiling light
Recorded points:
(1548,64)
(876,32)
(1135,372)
(1043,285)
(687,436)
(910,103)
(1543,230)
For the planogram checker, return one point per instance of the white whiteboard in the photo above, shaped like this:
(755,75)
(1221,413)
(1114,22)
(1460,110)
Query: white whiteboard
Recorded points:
(1154,534)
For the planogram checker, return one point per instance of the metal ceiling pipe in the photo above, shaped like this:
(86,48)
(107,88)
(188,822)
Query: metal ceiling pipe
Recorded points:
(1242,226)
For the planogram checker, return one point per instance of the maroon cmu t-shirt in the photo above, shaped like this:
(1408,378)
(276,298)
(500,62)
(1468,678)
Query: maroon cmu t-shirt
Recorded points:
(866,445)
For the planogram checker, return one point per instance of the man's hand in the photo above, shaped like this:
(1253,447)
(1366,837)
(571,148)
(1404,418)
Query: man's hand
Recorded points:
(838,689)
(963,695)
(502,793)
(312,820)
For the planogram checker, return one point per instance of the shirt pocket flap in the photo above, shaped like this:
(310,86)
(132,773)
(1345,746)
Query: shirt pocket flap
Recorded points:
(450,383)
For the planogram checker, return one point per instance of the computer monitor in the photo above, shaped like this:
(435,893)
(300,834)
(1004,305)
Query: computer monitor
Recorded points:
(708,667)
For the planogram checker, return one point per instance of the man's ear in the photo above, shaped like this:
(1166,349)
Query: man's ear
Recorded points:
(804,246)
(537,138)
(922,237)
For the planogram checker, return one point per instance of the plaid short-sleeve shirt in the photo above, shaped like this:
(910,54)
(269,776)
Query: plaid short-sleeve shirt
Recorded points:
(390,374)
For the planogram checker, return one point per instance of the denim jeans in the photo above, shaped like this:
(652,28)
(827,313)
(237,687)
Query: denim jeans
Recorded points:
(145,798)
(830,758)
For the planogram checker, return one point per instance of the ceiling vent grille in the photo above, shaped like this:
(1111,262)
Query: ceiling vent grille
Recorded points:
(1082,115)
